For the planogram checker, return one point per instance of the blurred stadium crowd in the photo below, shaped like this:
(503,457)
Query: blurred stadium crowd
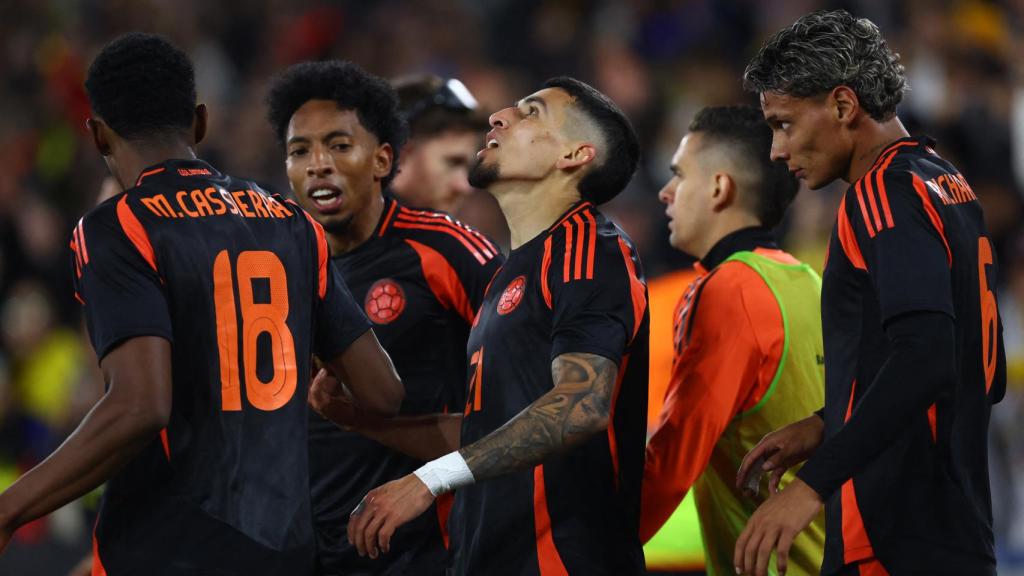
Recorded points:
(660,60)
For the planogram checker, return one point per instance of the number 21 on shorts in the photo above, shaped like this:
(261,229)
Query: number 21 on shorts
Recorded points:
(257,319)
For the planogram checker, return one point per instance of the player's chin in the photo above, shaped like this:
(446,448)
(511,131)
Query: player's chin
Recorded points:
(483,173)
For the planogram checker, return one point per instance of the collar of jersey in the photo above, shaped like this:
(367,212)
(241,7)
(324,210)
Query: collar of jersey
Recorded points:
(744,239)
(169,167)
(576,208)
(909,141)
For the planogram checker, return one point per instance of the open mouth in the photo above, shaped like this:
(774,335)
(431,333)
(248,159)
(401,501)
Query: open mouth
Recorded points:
(326,198)
(492,143)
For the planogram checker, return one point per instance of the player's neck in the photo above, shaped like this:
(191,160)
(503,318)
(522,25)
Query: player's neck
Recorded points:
(131,160)
(868,145)
(723,226)
(531,208)
(359,229)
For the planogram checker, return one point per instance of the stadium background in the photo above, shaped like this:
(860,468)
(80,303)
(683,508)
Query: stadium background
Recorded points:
(661,60)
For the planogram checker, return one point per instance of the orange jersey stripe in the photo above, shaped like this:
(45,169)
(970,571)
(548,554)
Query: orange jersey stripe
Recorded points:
(856,545)
(570,215)
(893,148)
(613,444)
(848,240)
(548,558)
(863,208)
(97,563)
(933,417)
(387,219)
(637,290)
(322,254)
(568,250)
(444,510)
(883,197)
(81,241)
(545,289)
(580,246)
(933,215)
(447,230)
(443,280)
(474,237)
(166,443)
(871,567)
(146,174)
(593,244)
(78,257)
(869,191)
(135,232)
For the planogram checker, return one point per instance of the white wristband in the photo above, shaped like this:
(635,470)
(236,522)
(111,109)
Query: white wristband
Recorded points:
(447,473)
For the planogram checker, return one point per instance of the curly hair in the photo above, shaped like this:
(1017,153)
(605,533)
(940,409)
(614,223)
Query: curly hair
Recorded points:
(348,85)
(142,86)
(745,131)
(826,49)
(620,160)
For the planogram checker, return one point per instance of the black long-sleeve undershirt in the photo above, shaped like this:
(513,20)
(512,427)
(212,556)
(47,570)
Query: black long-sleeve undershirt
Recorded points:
(920,366)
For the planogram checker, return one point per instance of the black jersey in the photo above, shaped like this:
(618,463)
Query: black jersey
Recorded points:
(420,277)
(577,288)
(241,285)
(910,237)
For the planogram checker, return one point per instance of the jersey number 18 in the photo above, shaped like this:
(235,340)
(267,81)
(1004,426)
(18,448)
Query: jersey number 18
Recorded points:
(257,319)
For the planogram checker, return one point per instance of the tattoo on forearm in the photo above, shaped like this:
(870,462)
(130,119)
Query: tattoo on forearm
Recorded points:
(577,407)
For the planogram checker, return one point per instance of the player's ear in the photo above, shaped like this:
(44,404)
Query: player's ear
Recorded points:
(382,160)
(199,123)
(724,193)
(98,129)
(844,103)
(580,155)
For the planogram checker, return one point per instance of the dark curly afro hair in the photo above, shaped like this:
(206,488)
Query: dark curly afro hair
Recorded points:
(351,87)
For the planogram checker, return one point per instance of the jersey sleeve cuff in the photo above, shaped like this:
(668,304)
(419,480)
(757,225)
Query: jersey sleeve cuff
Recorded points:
(586,348)
(334,347)
(814,474)
(109,343)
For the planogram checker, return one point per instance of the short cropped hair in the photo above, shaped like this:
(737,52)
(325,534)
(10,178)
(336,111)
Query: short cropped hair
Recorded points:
(826,49)
(617,164)
(351,88)
(143,87)
(744,130)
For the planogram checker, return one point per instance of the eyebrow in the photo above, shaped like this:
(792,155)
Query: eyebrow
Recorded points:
(328,136)
(533,100)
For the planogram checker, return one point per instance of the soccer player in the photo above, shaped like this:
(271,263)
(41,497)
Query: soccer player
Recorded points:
(913,348)
(204,298)
(546,458)
(747,333)
(419,274)
(445,126)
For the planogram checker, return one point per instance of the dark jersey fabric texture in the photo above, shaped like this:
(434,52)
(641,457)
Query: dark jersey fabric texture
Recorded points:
(904,463)
(240,283)
(575,288)
(420,279)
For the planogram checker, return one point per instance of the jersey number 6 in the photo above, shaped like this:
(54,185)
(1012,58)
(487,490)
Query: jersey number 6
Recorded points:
(989,314)
(257,319)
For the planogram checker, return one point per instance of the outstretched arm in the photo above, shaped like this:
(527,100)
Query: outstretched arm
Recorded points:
(576,408)
(136,406)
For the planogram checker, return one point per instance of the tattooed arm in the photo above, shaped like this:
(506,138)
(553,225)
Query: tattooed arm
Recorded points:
(577,407)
